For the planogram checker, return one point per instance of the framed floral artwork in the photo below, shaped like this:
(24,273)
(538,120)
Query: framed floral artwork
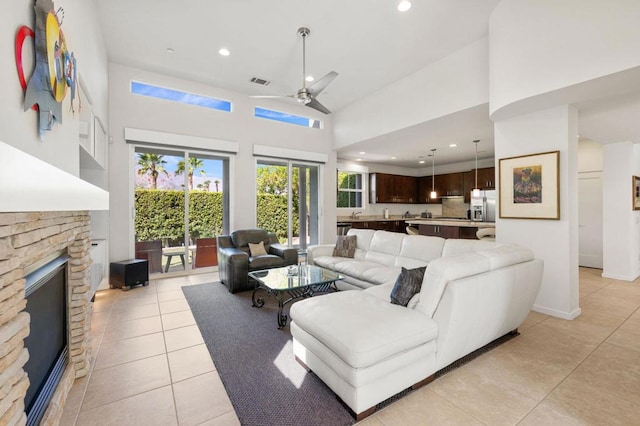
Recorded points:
(530,186)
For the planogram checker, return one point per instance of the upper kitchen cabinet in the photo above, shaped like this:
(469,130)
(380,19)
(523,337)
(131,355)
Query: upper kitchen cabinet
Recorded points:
(486,180)
(449,184)
(424,191)
(388,188)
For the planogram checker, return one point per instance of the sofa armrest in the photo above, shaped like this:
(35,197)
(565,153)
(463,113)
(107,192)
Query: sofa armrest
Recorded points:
(224,241)
(319,250)
(289,254)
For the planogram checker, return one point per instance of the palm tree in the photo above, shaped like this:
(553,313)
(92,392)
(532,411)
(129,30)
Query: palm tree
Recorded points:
(217,182)
(152,165)
(204,186)
(194,164)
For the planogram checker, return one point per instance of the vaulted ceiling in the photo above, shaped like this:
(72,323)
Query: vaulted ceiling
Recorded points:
(368,42)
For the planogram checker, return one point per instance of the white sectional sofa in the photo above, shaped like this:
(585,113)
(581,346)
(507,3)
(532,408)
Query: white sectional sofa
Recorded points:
(367,349)
(380,255)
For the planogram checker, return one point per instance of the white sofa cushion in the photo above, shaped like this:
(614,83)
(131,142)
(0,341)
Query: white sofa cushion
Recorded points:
(361,328)
(445,269)
(363,238)
(453,247)
(382,275)
(328,262)
(385,247)
(419,250)
(355,268)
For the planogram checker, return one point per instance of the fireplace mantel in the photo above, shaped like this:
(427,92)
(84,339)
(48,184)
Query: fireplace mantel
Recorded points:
(28,184)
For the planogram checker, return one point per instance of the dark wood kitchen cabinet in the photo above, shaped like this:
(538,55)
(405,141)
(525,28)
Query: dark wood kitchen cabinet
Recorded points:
(424,191)
(486,180)
(388,188)
(380,225)
(449,184)
(442,231)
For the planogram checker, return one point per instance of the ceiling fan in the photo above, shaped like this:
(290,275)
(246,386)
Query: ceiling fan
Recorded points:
(307,95)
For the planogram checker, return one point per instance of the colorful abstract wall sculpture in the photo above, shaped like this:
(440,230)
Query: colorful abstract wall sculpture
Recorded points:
(55,66)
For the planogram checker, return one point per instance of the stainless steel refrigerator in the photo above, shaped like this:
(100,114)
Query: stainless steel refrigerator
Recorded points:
(483,207)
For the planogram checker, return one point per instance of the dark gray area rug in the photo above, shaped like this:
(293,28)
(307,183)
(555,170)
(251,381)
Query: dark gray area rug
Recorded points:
(256,364)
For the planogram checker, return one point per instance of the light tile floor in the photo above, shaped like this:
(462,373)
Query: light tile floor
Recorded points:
(151,367)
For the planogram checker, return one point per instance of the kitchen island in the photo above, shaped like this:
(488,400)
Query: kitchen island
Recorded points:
(449,228)
(394,223)
(445,228)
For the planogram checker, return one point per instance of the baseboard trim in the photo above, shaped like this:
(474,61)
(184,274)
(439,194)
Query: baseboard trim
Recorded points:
(558,314)
(631,277)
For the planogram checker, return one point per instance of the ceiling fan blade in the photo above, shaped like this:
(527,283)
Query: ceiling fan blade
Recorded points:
(318,106)
(319,85)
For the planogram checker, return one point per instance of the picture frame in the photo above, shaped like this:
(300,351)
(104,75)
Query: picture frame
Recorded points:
(635,192)
(530,186)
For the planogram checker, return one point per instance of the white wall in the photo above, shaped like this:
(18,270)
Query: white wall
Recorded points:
(239,126)
(19,128)
(543,47)
(453,84)
(621,228)
(554,241)
(590,156)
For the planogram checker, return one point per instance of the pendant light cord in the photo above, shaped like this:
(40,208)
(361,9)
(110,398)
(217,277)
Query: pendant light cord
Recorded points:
(476,143)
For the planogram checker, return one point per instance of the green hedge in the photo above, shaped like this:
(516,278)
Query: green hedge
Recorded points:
(272,215)
(160,214)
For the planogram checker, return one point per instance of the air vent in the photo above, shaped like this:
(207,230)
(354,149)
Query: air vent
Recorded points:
(260,81)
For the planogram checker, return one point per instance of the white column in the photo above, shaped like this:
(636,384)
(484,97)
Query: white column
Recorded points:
(621,224)
(553,241)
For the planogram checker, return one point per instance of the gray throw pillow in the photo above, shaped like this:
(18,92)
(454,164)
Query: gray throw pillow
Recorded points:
(345,246)
(408,283)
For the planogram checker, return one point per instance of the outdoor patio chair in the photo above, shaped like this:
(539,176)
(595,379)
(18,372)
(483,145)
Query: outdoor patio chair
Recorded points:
(206,252)
(151,251)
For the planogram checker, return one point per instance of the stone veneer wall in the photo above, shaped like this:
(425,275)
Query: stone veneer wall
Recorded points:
(26,238)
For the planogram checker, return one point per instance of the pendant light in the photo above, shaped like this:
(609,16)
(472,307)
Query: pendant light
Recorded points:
(433,174)
(476,190)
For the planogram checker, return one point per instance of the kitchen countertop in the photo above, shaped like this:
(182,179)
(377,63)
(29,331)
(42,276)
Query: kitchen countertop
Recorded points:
(454,222)
(392,218)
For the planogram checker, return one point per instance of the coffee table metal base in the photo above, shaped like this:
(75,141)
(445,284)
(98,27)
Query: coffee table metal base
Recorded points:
(289,295)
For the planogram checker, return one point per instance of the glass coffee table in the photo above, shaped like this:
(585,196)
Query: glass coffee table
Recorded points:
(291,283)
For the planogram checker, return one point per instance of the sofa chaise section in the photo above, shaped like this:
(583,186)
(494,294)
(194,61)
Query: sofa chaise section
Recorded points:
(367,349)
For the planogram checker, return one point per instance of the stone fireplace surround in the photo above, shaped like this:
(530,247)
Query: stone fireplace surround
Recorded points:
(26,238)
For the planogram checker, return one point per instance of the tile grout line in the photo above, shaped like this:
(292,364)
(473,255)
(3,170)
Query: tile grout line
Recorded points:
(604,340)
(93,364)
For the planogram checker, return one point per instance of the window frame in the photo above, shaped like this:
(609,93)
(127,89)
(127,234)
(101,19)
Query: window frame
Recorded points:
(362,191)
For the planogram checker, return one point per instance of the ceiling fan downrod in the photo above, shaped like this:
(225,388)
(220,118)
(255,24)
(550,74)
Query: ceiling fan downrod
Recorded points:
(303,95)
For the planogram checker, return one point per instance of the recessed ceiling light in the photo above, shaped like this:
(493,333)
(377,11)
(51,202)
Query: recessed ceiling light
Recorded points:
(170,50)
(452,145)
(393,158)
(421,162)
(358,159)
(309,78)
(224,52)
(404,5)
(362,152)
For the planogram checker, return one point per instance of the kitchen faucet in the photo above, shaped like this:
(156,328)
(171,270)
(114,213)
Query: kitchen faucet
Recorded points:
(355,214)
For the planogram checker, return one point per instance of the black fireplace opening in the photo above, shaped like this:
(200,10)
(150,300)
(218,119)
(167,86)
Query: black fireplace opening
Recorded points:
(46,294)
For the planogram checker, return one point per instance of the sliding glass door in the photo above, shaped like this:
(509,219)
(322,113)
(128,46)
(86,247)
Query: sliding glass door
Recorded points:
(287,200)
(180,205)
